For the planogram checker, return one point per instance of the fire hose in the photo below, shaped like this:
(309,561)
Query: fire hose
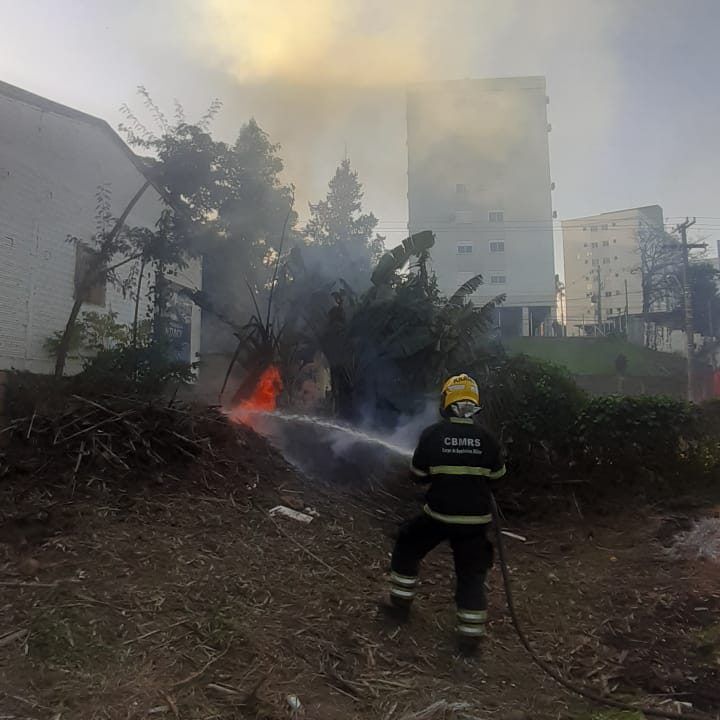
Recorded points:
(549,669)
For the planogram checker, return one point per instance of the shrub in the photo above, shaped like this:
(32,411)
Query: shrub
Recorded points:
(630,434)
(145,370)
(553,430)
(532,406)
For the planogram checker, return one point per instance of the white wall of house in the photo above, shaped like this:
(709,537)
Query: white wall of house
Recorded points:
(52,160)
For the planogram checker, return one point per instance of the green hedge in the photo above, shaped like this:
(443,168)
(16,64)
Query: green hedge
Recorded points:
(553,430)
(532,406)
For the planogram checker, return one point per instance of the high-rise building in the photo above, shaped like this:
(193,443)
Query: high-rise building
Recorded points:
(479,178)
(602,267)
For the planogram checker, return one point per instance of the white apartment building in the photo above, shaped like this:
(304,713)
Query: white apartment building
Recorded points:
(52,161)
(479,178)
(602,262)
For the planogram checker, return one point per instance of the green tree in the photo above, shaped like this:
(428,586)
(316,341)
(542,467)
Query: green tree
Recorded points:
(230,202)
(387,347)
(346,234)
(252,221)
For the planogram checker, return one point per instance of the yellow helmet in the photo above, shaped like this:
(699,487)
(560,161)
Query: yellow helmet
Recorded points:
(459,388)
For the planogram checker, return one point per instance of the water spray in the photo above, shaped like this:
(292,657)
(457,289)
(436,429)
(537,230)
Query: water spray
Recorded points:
(358,435)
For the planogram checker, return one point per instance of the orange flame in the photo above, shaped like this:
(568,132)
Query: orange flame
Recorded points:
(264,396)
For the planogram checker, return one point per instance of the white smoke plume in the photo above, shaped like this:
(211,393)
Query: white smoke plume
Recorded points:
(326,77)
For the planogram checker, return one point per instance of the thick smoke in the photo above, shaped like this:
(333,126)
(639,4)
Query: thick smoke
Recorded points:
(321,42)
(325,77)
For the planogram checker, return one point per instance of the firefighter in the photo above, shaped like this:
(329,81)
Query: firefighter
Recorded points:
(459,460)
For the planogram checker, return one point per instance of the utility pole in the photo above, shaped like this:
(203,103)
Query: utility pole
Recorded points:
(627,331)
(599,301)
(710,319)
(682,228)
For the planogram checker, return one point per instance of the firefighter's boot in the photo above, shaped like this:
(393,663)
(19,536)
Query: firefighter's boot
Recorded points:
(470,630)
(396,611)
(468,646)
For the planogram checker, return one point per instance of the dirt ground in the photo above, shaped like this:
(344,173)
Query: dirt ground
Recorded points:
(183,598)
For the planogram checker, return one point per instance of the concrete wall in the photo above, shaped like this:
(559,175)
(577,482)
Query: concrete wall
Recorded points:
(479,177)
(635,385)
(51,165)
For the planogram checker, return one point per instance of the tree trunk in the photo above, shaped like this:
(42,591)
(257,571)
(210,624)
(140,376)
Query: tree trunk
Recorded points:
(64,345)
(342,392)
(160,303)
(137,305)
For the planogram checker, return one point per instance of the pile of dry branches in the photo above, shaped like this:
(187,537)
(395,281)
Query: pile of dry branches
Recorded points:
(112,437)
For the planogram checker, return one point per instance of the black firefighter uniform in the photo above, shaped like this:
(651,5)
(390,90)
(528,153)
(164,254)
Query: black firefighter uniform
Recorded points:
(459,460)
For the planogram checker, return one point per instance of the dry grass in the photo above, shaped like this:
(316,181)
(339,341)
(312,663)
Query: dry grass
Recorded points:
(180,597)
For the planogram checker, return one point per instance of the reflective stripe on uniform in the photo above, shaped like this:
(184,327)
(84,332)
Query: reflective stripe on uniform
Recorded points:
(403,579)
(462,421)
(417,471)
(458,519)
(466,470)
(407,594)
(473,630)
(472,616)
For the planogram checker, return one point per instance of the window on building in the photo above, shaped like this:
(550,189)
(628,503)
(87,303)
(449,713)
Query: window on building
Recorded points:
(606,243)
(610,312)
(596,262)
(584,228)
(615,258)
(463,216)
(614,224)
(586,262)
(604,227)
(83,260)
(614,239)
(461,189)
(593,228)
(606,261)
(617,292)
(608,293)
(619,311)
(584,244)
(617,274)
(464,248)
(594,244)
(497,217)
(498,279)
(499,246)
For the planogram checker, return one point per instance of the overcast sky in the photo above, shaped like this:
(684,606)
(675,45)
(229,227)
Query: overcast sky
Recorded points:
(634,85)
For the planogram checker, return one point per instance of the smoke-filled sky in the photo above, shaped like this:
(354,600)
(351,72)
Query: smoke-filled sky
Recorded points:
(634,84)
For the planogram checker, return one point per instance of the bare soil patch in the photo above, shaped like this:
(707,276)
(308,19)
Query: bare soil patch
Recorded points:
(179,596)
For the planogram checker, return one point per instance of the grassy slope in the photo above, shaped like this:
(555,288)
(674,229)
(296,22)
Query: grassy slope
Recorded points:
(596,356)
